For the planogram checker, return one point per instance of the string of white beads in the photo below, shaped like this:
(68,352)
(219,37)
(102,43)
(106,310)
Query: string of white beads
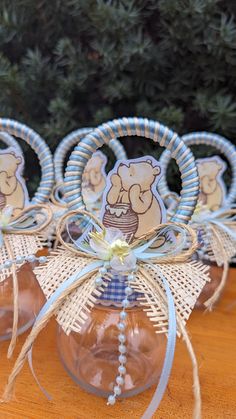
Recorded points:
(21,259)
(102,272)
(122,339)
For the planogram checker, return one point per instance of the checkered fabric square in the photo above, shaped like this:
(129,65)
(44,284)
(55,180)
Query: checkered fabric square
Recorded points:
(115,290)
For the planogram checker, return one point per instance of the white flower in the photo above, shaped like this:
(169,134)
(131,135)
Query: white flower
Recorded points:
(5,216)
(128,264)
(111,246)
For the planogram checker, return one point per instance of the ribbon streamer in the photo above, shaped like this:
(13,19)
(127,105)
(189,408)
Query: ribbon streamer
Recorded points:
(169,356)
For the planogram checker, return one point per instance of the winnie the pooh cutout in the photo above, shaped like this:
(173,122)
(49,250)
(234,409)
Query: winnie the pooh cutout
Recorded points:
(212,187)
(131,202)
(94,180)
(13,191)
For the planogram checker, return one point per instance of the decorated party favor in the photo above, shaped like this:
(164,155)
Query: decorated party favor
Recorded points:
(94,178)
(21,222)
(215,217)
(126,287)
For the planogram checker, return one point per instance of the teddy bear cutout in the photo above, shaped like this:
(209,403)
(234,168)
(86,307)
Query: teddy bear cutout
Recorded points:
(13,191)
(131,201)
(94,178)
(212,187)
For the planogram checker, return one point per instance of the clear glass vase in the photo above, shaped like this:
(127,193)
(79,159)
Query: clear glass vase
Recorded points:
(215,273)
(91,356)
(30,300)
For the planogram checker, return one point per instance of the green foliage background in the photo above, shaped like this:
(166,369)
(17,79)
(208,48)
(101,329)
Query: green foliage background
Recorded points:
(66,64)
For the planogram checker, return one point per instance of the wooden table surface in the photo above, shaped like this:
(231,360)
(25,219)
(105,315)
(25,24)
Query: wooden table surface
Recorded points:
(214,339)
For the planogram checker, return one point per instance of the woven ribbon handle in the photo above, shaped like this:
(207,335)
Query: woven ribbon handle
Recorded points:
(41,149)
(206,138)
(142,128)
(73,139)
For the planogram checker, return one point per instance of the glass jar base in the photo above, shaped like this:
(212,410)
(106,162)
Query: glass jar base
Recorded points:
(91,357)
(84,368)
(30,300)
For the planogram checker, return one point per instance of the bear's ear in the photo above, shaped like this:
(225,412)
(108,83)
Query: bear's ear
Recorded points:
(221,166)
(156,170)
(126,164)
(12,153)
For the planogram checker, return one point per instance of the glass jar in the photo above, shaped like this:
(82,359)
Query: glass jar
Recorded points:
(30,300)
(91,356)
(215,273)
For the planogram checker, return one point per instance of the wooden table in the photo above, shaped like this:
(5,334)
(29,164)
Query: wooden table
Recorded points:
(213,337)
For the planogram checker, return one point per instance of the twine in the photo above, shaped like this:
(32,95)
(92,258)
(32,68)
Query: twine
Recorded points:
(15,302)
(218,291)
(13,269)
(184,255)
(61,226)
(196,382)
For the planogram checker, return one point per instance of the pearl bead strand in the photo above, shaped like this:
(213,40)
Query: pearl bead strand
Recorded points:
(122,347)
(21,259)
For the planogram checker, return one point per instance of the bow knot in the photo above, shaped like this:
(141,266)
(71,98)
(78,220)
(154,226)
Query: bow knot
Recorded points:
(178,242)
(31,220)
(110,245)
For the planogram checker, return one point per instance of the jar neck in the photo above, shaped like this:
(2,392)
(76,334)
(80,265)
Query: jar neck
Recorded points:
(101,305)
(114,292)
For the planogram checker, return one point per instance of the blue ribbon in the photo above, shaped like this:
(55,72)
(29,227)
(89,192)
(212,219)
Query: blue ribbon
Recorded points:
(90,268)
(169,356)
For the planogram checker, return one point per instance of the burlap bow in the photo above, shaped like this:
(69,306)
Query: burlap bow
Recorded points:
(19,241)
(217,233)
(162,277)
